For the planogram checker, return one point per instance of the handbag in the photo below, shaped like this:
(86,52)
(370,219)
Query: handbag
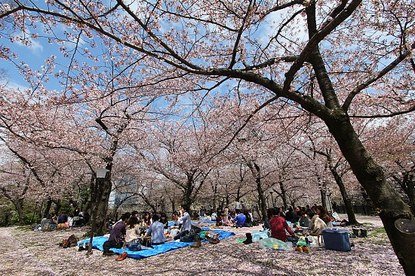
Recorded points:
(212,237)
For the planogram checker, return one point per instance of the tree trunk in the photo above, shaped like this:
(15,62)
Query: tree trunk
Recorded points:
(90,200)
(187,195)
(173,204)
(283,195)
(323,194)
(18,205)
(408,185)
(100,208)
(256,172)
(215,197)
(347,202)
(385,199)
(46,211)
(57,207)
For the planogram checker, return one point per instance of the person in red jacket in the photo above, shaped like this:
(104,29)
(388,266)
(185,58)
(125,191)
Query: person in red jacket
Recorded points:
(279,227)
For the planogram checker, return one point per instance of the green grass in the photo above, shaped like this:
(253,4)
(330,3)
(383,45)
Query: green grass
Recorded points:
(377,232)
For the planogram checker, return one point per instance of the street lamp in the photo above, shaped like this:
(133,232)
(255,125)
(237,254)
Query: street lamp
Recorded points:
(100,173)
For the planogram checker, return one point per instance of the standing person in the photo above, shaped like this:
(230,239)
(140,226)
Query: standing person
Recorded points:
(117,235)
(279,227)
(156,231)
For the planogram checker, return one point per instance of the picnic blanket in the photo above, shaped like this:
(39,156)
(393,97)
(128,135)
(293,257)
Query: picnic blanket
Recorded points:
(98,242)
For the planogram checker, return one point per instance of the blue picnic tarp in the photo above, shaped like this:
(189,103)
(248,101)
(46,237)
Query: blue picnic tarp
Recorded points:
(98,242)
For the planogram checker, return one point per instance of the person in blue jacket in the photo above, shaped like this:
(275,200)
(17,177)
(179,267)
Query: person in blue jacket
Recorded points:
(239,219)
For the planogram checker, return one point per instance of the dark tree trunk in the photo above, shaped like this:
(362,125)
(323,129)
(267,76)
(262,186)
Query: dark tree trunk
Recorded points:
(386,200)
(100,208)
(407,183)
(238,194)
(283,195)
(57,207)
(46,211)
(187,195)
(215,197)
(346,199)
(323,195)
(18,205)
(173,204)
(90,200)
(256,172)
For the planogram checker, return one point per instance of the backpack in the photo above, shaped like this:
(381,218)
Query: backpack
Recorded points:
(189,237)
(69,242)
(212,237)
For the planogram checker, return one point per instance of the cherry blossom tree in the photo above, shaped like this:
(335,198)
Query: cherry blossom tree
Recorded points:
(392,142)
(178,153)
(322,57)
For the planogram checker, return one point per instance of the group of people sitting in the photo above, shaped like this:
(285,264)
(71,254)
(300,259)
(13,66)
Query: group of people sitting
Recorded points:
(237,218)
(311,221)
(135,232)
(63,221)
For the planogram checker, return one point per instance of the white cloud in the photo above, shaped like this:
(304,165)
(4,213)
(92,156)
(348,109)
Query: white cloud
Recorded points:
(12,85)
(25,40)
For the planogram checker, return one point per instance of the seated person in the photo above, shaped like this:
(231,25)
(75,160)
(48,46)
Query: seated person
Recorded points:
(164,220)
(175,217)
(239,219)
(156,231)
(174,229)
(213,216)
(132,235)
(63,222)
(78,218)
(62,218)
(184,222)
(290,215)
(249,219)
(226,218)
(219,218)
(146,220)
(279,227)
(304,220)
(49,223)
(317,225)
(117,235)
(324,215)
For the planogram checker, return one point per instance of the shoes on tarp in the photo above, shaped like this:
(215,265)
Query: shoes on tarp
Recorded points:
(122,256)
(109,253)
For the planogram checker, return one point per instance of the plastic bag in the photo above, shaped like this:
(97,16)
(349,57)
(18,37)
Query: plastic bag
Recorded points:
(273,243)
(259,235)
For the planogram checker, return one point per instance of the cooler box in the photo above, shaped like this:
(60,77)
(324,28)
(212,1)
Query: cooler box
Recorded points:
(336,239)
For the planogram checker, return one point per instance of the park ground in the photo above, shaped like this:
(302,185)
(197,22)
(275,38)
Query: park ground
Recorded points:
(27,252)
